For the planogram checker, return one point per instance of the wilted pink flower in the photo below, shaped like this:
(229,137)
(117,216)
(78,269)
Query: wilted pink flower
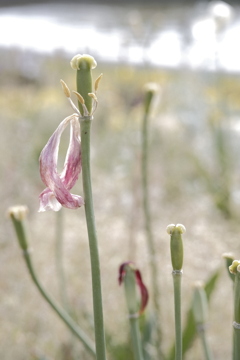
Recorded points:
(58,185)
(139,282)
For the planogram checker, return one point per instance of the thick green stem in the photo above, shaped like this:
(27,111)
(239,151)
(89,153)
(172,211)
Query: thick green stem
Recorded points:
(136,339)
(61,313)
(177,277)
(92,235)
(148,229)
(236,349)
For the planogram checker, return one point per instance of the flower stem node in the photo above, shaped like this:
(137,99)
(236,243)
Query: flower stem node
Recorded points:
(176,244)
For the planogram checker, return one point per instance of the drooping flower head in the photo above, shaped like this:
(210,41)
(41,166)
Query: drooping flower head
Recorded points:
(127,273)
(57,192)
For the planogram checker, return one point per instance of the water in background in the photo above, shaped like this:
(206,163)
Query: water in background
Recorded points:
(201,36)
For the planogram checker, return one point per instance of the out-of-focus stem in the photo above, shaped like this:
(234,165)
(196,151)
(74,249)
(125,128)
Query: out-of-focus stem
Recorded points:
(59,259)
(61,313)
(147,215)
(177,277)
(136,338)
(236,323)
(18,214)
(205,345)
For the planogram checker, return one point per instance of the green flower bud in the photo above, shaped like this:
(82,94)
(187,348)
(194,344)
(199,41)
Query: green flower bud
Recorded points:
(151,89)
(176,245)
(233,267)
(18,215)
(84,65)
(200,304)
(228,261)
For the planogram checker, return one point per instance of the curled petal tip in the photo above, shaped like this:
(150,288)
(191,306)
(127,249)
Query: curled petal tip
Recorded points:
(57,193)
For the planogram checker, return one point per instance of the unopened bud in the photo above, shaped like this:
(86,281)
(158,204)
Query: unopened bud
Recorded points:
(228,261)
(200,304)
(84,61)
(234,266)
(18,215)
(176,244)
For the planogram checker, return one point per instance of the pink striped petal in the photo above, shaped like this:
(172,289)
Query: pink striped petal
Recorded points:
(58,185)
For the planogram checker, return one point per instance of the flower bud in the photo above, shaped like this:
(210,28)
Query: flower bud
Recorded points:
(18,215)
(176,245)
(151,89)
(84,65)
(233,267)
(200,304)
(228,261)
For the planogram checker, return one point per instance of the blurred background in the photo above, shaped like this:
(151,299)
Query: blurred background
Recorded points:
(191,50)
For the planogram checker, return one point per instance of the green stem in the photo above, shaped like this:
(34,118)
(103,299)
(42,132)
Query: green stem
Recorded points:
(236,338)
(59,258)
(136,340)
(177,277)
(92,235)
(61,312)
(206,348)
(236,348)
(148,230)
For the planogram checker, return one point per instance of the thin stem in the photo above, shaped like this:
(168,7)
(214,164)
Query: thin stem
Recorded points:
(236,324)
(92,235)
(206,348)
(136,340)
(59,258)
(177,277)
(61,312)
(148,229)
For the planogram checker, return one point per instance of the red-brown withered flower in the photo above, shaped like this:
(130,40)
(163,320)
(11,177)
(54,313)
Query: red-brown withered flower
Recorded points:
(57,193)
(126,269)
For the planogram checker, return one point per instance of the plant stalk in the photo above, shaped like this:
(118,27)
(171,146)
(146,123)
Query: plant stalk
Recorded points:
(206,348)
(61,312)
(177,279)
(59,259)
(85,124)
(136,339)
(148,226)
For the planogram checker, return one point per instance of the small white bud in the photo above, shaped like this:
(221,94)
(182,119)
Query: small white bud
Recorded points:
(170,228)
(19,212)
(77,59)
(181,228)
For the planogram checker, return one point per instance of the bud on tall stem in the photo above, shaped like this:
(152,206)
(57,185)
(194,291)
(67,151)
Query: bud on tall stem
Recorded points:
(176,247)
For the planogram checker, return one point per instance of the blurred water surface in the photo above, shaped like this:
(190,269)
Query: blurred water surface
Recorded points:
(198,36)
